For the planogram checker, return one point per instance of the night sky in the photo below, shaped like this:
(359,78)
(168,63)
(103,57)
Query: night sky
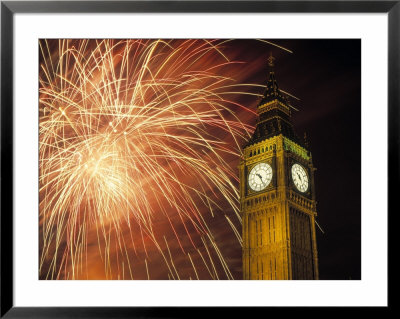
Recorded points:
(326,76)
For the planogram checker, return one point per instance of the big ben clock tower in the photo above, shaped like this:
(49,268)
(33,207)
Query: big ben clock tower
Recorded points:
(277,195)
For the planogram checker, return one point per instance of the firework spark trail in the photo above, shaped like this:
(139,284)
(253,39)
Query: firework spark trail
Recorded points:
(124,124)
(237,234)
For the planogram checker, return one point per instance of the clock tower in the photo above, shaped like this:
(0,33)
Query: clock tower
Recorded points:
(277,195)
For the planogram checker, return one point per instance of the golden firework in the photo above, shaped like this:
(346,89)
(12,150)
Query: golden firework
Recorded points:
(131,130)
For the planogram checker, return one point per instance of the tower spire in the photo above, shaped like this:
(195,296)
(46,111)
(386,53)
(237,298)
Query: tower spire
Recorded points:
(272,91)
(274,115)
(271,60)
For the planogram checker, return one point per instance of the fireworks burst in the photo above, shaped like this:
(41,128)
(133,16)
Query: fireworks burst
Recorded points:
(132,131)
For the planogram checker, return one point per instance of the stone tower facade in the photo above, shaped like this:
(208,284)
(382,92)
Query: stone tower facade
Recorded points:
(277,192)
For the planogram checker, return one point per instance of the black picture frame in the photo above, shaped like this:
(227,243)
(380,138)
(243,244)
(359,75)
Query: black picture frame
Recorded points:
(9,8)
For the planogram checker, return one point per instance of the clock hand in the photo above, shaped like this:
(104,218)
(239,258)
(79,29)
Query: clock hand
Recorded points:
(259,176)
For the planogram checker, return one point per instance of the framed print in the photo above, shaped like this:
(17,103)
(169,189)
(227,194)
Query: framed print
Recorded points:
(164,155)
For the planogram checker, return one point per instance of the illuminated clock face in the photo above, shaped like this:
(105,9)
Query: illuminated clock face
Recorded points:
(300,178)
(260,176)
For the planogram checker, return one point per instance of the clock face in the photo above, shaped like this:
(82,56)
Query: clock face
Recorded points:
(300,178)
(260,176)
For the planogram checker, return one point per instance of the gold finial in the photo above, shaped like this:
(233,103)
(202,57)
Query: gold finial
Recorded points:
(271,60)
